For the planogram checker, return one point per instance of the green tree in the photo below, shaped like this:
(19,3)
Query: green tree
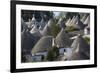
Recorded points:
(52,54)
(54,29)
(87,40)
(71,28)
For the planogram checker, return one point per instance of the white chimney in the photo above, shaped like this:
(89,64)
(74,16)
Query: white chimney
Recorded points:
(53,42)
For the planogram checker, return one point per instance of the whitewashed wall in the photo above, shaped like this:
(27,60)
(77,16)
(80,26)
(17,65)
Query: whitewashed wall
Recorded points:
(67,52)
(38,56)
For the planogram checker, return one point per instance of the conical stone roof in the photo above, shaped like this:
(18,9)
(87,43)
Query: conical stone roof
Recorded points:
(50,23)
(74,20)
(43,23)
(63,39)
(68,22)
(44,44)
(81,50)
(87,21)
(77,23)
(71,21)
(46,31)
(34,29)
(84,18)
(36,34)
(27,40)
(61,23)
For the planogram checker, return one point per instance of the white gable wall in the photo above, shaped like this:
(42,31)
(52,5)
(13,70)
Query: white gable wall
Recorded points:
(61,51)
(38,56)
(86,31)
(67,52)
(42,53)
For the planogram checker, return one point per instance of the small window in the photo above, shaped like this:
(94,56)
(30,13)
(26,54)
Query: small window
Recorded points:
(64,50)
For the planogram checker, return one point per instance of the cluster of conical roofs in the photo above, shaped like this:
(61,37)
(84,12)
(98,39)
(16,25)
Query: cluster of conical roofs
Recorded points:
(34,40)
